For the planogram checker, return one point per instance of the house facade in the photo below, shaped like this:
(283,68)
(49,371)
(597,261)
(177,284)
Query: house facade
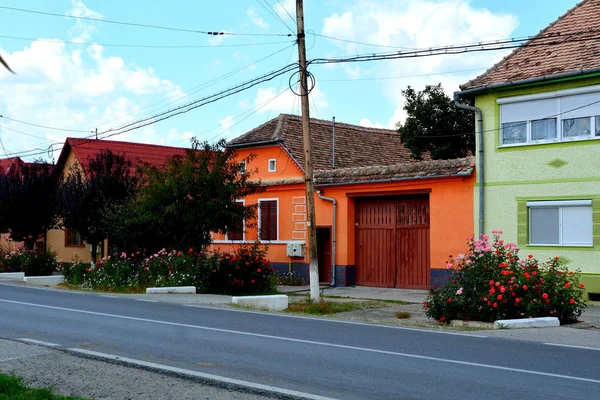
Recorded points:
(538,144)
(67,243)
(382,218)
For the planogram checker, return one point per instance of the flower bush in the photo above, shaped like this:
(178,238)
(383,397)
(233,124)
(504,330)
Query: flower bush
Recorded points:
(290,279)
(29,262)
(242,271)
(490,282)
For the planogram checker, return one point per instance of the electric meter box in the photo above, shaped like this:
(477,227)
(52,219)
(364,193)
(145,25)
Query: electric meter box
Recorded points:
(295,249)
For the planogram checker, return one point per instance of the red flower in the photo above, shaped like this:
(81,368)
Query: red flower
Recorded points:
(567,285)
(572,301)
(502,289)
(527,275)
(453,280)
(442,319)
(499,297)
(559,272)
(178,253)
(530,256)
(545,295)
(534,273)
(570,272)
(252,281)
(449,299)
(524,287)
(547,301)
(581,285)
(557,258)
(258,270)
(247,262)
(491,283)
(518,300)
(214,270)
(191,250)
(492,290)
(495,305)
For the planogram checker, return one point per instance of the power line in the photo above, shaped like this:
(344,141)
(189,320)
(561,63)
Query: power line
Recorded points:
(362,43)
(273,13)
(286,11)
(401,76)
(44,126)
(139,46)
(139,25)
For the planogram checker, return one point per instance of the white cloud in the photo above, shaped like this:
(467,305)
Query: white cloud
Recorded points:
(367,123)
(286,5)
(256,19)
(76,89)
(83,29)
(226,123)
(409,24)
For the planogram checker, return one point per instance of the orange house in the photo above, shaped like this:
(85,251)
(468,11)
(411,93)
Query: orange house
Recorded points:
(383,219)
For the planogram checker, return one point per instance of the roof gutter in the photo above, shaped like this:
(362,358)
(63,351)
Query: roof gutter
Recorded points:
(460,174)
(539,79)
(480,168)
(255,144)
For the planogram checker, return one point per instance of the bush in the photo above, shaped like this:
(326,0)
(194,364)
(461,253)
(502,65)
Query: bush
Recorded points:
(73,271)
(29,262)
(243,271)
(490,282)
(290,279)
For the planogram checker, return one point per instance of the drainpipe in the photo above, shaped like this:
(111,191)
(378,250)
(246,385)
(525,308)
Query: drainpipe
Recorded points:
(333,145)
(479,129)
(333,236)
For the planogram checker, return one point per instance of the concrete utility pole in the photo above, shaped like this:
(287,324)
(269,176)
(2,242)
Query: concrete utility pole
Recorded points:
(308,170)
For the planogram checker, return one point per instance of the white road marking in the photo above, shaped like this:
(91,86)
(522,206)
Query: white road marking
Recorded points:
(573,346)
(339,321)
(339,346)
(201,375)
(110,296)
(33,341)
(148,301)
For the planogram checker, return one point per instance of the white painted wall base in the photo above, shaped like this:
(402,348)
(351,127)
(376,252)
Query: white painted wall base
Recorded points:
(270,302)
(171,289)
(543,322)
(12,276)
(53,280)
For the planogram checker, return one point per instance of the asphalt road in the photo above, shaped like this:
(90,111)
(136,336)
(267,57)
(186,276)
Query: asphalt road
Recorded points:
(320,357)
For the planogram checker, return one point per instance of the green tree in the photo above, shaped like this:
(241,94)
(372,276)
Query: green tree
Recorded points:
(180,204)
(84,195)
(435,125)
(27,201)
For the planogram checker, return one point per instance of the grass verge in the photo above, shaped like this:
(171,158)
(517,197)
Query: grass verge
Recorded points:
(13,388)
(332,307)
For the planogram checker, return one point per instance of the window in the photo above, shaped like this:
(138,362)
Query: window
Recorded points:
(73,238)
(272,165)
(236,232)
(547,120)
(560,223)
(267,220)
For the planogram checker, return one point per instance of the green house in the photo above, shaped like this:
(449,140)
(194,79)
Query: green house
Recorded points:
(538,144)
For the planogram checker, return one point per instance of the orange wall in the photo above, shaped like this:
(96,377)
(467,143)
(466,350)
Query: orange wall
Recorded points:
(450,199)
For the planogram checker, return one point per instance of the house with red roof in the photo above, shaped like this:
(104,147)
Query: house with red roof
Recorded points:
(383,219)
(538,141)
(67,243)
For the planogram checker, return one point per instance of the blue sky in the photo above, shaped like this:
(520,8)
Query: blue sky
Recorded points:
(84,87)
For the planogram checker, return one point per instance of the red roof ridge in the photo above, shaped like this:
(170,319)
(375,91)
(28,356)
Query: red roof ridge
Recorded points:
(120,142)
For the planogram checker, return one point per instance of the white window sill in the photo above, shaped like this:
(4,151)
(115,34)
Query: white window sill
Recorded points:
(575,139)
(560,245)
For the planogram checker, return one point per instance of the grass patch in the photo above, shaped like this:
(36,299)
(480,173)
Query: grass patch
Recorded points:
(13,388)
(403,315)
(331,307)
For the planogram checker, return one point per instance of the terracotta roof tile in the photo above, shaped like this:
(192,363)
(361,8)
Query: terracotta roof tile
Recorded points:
(356,146)
(566,55)
(398,172)
(152,154)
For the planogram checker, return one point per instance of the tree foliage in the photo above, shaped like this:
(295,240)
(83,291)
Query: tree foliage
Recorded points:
(435,125)
(180,204)
(84,195)
(27,201)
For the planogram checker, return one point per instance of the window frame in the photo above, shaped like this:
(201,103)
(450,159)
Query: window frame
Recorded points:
(276,200)
(243,227)
(558,115)
(77,234)
(274,161)
(560,204)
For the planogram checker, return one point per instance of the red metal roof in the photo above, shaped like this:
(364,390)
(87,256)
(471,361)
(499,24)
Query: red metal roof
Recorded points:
(6,163)
(152,154)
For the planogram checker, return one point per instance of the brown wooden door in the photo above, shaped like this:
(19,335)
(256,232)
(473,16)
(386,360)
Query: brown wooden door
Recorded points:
(324,254)
(392,242)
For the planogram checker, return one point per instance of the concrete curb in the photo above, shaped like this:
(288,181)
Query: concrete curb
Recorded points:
(12,276)
(271,302)
(543,322)
(53,280)
(471,324)
(171,289)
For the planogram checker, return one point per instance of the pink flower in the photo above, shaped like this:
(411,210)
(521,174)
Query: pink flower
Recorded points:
(459,291)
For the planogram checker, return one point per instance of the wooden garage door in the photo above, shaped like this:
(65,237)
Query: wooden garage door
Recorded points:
(392,242)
